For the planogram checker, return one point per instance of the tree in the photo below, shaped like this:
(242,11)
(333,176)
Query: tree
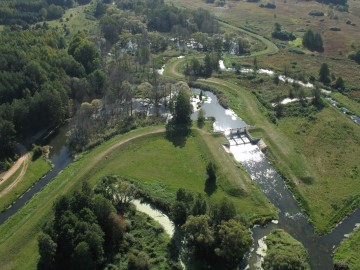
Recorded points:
(222,211)
(201,118)
(198,234)
(313,41)
(339,84)
(317,101)
(233,240)
(183,108)
(324,74)
(47,250)
(179,213)
(207,66)
(200,206)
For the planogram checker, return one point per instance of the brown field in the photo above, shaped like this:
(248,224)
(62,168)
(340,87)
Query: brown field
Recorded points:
(293,16)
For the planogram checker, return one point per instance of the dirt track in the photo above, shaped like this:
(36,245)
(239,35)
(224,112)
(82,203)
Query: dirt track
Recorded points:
(22,161)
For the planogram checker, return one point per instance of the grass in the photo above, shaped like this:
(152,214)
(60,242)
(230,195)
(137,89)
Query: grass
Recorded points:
(330,145)
(18,242)
(77,19)
(313,156)
(161,169)
(344,101)
(348,252)
(280,244)
(36,169)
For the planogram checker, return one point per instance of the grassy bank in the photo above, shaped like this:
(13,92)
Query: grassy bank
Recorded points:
(161,169)
(18,244)
(347,254)
(318,158)
(34,171)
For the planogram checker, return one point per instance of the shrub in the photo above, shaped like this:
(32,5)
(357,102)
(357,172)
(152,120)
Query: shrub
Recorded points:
(317,13)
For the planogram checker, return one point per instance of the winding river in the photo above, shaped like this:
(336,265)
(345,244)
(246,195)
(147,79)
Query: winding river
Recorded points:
(291,217)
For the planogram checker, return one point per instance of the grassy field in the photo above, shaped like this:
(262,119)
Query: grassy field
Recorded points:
(344,101)
(161,169)
(348,252)
(78,19)
(18,244)
(35,170)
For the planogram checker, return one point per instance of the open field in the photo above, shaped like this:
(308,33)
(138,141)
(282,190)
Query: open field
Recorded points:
(77,19)
(349,251)
(161,169)
(293,16)
(18,244)
(28,173)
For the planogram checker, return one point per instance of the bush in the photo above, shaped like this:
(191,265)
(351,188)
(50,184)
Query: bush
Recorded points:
(317,13)
(268,5)
(335,28)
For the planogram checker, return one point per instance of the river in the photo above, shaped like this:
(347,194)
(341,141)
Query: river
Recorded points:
(59,157)
(291,217)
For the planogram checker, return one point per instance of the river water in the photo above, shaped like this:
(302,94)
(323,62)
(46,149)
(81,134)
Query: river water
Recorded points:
(59,157)
(291,217)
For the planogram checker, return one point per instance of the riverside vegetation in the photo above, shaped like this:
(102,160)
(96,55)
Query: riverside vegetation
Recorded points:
(95,57)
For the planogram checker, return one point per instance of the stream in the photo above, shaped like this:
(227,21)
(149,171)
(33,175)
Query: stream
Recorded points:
(59,157)
(291,217)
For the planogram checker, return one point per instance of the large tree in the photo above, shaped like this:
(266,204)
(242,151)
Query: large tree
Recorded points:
(324,74)
(233,241)
(183,107)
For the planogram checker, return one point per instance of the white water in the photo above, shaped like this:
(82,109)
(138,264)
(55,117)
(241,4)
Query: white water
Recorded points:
(161,71)
(156,215)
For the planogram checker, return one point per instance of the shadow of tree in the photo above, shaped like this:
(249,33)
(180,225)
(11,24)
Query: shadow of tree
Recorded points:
(210,183)
(177,133)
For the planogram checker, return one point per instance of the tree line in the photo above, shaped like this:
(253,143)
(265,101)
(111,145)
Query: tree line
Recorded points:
(41,84)
(26,12)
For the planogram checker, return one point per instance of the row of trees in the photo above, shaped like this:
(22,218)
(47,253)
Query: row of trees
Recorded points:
(31,11)
(197,69)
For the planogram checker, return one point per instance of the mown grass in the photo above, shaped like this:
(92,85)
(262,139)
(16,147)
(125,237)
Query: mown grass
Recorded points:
(348,252)
(161,169)
(18,244)
(35,170)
